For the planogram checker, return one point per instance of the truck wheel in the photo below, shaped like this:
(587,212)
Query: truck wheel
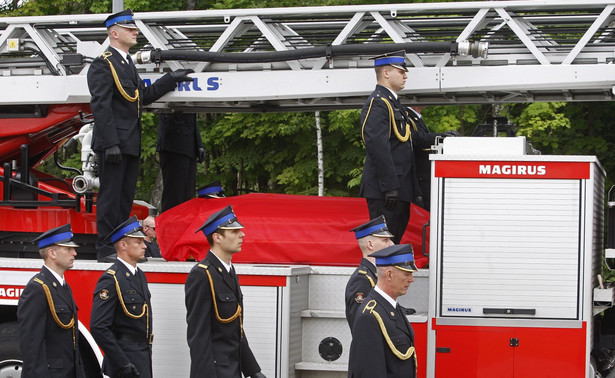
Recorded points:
(10,354)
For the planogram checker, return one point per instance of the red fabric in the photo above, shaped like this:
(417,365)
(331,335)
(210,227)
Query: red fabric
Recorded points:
(280,229)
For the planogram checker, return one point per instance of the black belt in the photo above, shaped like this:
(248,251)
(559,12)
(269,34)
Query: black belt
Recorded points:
(134,337)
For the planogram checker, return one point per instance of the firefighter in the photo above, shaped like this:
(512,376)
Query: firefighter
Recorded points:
(47,313)
(423,139)
(118,96)
(218,346)
(121,321)
(388,179)
(382,338)
(372,237)
(180,148)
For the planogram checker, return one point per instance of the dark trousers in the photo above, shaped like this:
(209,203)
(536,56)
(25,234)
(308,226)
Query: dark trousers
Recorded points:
(118,183)
(396,218)
(178,179)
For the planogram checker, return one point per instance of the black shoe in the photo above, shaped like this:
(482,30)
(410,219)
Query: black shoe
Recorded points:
(108,259)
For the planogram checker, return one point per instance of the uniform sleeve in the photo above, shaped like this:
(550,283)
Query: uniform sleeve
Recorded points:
(101,320)
(100,83)
(158,89)
(375,132)
(198,317)
(358,285)
(422,137)
(31,317)
(368,359)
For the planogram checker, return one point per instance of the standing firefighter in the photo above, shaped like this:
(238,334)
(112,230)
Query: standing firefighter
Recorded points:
(388,178)
(47,313)
(121,320)
(118,96)
(214,303)
(382,338)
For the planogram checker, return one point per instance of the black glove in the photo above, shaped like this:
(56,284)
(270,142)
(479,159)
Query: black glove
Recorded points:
(452,133)
(390,199)
(258,375)
(182,74)
(113,155)
(128,371)
(201,154)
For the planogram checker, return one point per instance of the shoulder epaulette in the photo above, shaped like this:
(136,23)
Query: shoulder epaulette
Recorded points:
(111,272)
(204,266)
(371,281)
(39,281)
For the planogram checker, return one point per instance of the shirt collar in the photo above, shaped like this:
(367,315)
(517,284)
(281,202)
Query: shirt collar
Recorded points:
(56,275)
(415,112)
(123,54)
(392,301)
(132,269)
(392,92)
(226,266)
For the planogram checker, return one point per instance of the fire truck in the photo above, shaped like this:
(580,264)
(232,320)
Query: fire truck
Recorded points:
(513,240)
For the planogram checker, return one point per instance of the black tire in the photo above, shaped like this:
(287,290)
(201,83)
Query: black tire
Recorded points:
(10,353)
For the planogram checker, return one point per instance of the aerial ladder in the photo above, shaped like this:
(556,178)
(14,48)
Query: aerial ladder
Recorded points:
(537,51)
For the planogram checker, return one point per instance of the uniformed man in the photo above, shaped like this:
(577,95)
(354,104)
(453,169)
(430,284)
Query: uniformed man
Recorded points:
(371,236)
(180,148)
(388,178)
(214,303)
(211,190)
(121,320)
(382,338)
(118,96)
(423,139)
(47,313)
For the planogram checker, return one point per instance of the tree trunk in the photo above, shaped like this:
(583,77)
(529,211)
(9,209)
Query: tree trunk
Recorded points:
(321,169)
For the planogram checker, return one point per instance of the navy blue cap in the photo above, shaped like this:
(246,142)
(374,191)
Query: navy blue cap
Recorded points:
(224,219)
(62,236)
(123,18)
(400,256)
(211,190)
(375,227)
(396,59)
(130,228)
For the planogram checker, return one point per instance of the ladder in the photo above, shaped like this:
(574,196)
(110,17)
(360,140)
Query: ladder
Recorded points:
(538,51)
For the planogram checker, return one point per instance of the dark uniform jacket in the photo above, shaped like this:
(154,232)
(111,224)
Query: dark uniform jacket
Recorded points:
(423,139)
(370,354)
(179,133)
(217,350)
(123,338)
(48,349)
(361,282)
(389,161)
(117,121)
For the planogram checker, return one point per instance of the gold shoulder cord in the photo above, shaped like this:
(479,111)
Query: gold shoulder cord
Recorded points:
(52,309)
(128,313)
(393,125)
(129,98)
(402,356)
(371,281)
(213,297)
